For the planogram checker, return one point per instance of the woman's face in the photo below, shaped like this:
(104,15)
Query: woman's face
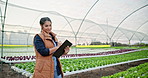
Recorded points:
(47,27)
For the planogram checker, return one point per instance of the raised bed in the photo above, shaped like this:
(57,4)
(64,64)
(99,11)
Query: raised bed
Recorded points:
(72,66)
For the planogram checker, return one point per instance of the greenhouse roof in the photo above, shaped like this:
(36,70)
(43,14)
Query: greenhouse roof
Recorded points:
(88,20)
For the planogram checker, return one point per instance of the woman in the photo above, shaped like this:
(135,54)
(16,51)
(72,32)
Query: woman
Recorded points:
(45,44)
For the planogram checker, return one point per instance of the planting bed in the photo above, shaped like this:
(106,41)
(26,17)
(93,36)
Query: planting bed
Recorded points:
(80,64)
(8,73)
(98,73)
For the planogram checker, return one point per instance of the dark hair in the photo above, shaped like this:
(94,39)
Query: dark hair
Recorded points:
(42,20)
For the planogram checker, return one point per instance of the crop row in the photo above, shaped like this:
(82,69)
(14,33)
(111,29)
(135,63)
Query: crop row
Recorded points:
(100,53)
(69,65)
(140,71)
(21,58)
(85,63)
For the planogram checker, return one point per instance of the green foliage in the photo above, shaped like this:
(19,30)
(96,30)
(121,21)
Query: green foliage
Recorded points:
(16,46)
(69,65)
(26,66)
(140,71)
(140,44)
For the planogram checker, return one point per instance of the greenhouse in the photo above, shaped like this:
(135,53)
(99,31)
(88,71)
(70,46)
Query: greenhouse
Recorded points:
(104,34)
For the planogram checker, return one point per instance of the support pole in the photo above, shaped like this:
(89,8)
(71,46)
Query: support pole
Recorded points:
(76,45)
(3,25)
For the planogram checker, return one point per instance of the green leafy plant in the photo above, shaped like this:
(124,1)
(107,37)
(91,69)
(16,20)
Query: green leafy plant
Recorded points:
(69,65)
(140,71)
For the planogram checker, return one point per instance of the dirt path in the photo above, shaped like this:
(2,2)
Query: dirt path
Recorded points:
(9,73)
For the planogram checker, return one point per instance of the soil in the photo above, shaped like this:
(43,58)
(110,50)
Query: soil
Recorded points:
(7,72)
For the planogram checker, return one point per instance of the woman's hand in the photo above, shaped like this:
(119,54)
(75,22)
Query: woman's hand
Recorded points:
(67,49)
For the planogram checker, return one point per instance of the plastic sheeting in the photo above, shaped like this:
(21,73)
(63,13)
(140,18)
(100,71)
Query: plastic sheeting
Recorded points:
(79,21)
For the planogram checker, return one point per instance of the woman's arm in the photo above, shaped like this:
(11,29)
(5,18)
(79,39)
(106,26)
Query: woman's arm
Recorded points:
(53,49)
(40,47)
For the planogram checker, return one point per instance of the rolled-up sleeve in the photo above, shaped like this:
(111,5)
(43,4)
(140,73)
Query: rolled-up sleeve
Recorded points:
(40,47)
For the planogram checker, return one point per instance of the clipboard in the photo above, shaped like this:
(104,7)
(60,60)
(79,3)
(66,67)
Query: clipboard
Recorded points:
(60,51)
